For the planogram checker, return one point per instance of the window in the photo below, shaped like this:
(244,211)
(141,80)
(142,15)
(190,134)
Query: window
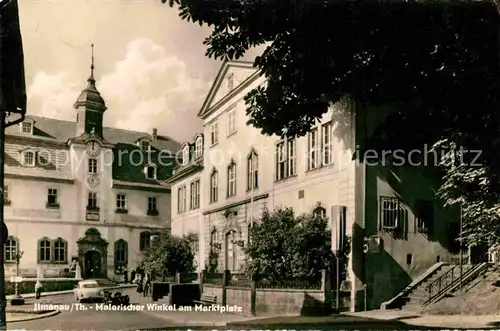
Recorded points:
(253,171)
(231,121)
(424,215)
(214,186)
(286,159)
(319,212)
(152,206)
(214,241)
(6,196)
(214,133)
(389,212)
(121,252)
(92,201)
(231,180)
(230,81)
(27,127)
(11,247)
(198,151)
(151,172)
(145,145)
(291,157)
(327,144)
(121,202)
(144,240)
(60,251)
(181,199)
(28,158)
(52,198)
(195,195)
(185,155)
(92,166)
(45,249)
(313,150)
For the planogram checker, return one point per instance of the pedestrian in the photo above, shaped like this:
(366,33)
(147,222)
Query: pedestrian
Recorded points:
(147,285)
(38,290)
(125,276)
(132,276)
(139,284)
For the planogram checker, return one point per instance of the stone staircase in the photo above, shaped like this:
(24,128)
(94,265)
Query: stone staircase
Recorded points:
(416,299)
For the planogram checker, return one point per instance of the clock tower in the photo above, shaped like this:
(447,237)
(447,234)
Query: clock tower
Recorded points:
(90,107)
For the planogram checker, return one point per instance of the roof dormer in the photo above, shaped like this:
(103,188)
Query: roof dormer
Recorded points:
(185,154)
(150,171)
(27,126)
(144,143)
(198,146)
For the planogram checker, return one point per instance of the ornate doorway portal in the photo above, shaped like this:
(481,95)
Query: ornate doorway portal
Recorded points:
(92,254)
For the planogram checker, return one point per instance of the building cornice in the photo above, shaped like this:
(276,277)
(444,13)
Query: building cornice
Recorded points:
(140,187)
(41,179)
(29,139)
(88,224)
(236,204)
(185,172)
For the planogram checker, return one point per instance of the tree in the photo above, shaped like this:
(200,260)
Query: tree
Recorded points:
(285,247)
(169,254)
(435,64)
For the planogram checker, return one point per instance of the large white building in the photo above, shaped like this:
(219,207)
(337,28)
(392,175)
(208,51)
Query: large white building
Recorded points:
(231,172)
(75,190)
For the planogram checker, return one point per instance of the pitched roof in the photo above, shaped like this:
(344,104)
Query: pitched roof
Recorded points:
(212,93)
(59,131)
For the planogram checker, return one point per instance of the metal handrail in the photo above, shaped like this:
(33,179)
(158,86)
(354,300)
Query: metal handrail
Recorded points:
(445,281)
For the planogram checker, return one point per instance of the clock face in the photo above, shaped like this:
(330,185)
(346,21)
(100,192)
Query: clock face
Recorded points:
(93,148)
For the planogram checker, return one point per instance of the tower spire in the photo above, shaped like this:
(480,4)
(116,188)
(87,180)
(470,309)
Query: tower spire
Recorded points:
(91,79)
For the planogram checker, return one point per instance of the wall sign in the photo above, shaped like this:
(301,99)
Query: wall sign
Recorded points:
(92,216)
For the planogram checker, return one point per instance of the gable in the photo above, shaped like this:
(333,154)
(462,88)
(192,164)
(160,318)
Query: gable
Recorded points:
(231,73)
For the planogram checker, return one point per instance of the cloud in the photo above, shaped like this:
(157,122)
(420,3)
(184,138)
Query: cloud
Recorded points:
(146,89)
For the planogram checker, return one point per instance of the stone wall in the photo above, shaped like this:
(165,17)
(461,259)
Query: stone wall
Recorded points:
(268,301)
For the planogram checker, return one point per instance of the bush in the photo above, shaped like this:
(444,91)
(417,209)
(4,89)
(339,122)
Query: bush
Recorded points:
(47,286)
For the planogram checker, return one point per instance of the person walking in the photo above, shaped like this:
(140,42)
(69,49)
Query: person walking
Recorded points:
(147,285)
(125,275)
(139,284)
(132,276)
(38,290)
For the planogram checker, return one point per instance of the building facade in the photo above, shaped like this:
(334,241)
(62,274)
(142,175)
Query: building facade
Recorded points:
(240,172)
(78,191)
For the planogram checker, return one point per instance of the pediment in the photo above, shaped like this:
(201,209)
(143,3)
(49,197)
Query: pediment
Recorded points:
(232,75)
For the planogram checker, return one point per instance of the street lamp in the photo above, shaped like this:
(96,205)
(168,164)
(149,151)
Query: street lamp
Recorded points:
(18,299)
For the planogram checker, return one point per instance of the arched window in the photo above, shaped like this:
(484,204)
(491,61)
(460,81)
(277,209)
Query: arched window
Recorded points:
(144,240)
(121,254)
(214,186)
(10,250)
(44,250)
(198,151)
(319,212)
(60,250)
(252,171)
(185,155)
(231,179)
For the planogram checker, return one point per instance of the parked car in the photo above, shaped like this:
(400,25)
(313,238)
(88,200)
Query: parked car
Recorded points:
(89,290)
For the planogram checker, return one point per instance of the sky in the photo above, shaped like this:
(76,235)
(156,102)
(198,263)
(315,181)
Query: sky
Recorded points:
(150,66)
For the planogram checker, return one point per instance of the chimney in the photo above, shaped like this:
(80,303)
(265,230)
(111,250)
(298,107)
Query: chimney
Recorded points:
(155,133)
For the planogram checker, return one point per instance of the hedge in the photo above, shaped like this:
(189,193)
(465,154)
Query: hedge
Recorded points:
(28,286)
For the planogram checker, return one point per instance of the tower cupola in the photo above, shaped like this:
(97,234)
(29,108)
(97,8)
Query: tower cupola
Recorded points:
(90,106)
